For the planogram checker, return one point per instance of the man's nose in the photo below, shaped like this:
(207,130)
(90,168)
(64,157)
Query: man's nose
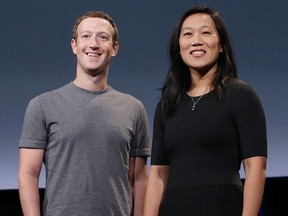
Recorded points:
(94,42)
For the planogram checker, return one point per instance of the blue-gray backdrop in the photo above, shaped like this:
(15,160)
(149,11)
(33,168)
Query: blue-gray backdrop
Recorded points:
(36,57)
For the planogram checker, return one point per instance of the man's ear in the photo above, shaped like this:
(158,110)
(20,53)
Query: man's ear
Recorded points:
(74,46)
(115,49)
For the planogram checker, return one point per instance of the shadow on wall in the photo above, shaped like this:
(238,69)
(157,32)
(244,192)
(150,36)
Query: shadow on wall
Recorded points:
(10,203)
(274,203)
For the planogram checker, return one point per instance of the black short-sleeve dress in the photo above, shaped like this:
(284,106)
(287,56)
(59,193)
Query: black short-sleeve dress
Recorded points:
(204,149)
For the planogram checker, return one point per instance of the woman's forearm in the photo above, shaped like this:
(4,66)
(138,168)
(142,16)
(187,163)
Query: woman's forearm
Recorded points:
(155,190)
(254,188)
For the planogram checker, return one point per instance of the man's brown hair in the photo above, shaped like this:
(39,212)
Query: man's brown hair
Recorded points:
(96,14)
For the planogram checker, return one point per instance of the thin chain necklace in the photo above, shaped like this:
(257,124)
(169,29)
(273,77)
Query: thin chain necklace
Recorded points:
(195,102)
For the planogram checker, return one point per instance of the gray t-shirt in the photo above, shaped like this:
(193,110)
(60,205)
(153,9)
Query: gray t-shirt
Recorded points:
(88,139)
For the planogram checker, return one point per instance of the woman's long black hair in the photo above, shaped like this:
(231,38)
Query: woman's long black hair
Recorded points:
(178,80)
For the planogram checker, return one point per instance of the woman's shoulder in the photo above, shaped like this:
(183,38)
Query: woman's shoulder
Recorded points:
(241,92)
(237,85)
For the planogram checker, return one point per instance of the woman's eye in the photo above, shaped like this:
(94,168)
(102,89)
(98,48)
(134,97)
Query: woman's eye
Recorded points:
(206,32)
(187,33)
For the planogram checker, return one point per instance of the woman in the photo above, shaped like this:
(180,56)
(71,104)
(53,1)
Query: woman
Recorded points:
(207,123)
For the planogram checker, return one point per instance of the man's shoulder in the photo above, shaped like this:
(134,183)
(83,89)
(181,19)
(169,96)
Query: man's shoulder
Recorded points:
(49,95)
(123,96)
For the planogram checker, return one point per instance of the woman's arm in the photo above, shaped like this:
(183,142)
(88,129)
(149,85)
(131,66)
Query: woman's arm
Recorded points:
(255,170)
(155,190)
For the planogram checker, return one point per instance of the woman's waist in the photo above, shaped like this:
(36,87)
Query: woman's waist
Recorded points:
(201,178)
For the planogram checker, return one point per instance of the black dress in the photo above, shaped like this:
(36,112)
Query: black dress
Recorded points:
(204,149)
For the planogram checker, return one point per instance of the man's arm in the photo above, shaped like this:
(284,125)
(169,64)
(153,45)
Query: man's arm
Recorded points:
(30,164)
(138,177)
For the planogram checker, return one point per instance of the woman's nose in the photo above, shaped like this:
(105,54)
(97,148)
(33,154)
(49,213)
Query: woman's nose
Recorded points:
(197,41)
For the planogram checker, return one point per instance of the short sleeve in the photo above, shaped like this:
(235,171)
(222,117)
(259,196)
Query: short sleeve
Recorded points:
(140,143)
(250,123)
(159,154)
(34,133)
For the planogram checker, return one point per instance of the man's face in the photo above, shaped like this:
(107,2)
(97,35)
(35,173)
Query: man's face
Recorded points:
(94,46)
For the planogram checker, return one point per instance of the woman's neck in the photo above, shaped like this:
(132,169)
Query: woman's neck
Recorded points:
(200,84)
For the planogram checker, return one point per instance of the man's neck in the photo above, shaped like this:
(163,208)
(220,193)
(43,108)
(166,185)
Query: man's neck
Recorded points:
(91,83)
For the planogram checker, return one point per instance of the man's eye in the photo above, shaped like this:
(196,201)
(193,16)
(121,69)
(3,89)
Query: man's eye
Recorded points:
(85,36)
(103,37)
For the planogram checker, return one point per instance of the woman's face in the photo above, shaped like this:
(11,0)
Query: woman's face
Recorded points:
(199,43)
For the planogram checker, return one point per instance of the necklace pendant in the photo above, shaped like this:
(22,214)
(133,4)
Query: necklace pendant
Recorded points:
(193,107)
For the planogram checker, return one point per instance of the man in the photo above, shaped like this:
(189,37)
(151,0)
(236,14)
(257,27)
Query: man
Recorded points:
(93,139)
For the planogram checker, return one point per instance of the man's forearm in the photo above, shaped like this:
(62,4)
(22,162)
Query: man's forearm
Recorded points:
(29,197)
(139,196)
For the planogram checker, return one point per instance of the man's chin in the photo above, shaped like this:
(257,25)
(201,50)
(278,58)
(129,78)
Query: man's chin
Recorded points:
(95,72)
